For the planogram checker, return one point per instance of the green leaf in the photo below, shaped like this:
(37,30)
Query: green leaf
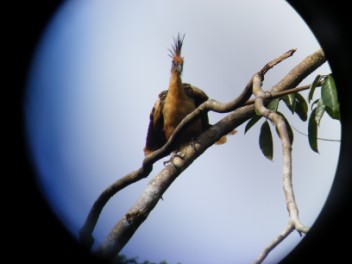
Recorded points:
(266,141)
(329,97)
(273,104)
(315,102)
(320,111)
(252,122)
(312,88)
(301,107)
(297,104)
(289,128)
(313,131)
(290,101)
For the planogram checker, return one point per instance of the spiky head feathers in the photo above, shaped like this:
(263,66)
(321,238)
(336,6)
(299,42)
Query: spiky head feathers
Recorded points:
(175,54)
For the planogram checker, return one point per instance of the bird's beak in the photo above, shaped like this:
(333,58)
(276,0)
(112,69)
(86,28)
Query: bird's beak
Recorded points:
(179,68)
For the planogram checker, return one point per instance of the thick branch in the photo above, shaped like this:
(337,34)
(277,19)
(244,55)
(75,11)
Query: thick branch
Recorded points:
(85,235)
(126,227)
(301,71)
(86,231)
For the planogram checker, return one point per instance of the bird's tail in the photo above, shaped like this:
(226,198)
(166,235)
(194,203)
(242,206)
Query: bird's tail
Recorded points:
(223,139)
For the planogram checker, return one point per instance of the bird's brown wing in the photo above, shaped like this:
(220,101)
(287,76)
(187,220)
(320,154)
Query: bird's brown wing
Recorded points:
(199,97)
(155,135)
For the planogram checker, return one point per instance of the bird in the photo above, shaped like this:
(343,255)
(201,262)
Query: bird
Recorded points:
(173,105)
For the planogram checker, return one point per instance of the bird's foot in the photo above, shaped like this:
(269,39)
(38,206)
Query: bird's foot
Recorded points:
(173,155)
(194,141)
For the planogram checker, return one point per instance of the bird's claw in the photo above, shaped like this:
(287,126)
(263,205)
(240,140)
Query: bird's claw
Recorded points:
(172,156)
(193,143)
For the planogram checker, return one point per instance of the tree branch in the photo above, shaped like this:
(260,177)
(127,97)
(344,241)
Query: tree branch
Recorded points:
(85,234)
(276,61)
(125,228)
(128,224)
(287,157)
(301,71)
(265,252)
(272,95)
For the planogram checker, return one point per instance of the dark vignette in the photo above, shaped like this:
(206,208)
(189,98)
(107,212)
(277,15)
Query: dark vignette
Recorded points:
(33,231)
(326,240)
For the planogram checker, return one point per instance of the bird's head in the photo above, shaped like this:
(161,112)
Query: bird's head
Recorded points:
(175,54)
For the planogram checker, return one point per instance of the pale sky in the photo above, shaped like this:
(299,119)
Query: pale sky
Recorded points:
(95,77)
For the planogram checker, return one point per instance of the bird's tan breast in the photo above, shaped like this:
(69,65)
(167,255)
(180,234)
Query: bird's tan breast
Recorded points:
(175,110)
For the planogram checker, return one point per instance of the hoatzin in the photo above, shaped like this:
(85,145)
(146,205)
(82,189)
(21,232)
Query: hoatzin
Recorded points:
(173,105)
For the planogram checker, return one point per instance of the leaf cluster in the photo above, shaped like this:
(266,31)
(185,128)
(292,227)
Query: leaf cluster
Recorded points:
(328,102)
(297,104)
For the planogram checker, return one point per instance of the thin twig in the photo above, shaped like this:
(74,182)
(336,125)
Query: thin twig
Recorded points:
(273,95)
(265,252)
(276,61)
(322,139)
(287,154)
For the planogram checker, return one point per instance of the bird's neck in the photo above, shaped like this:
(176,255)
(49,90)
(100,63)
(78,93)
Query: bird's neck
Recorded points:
(175,86)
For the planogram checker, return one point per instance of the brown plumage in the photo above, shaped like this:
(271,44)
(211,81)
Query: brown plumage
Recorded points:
(173,105)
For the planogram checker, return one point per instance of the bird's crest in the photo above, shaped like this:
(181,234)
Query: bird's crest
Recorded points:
(175,51)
